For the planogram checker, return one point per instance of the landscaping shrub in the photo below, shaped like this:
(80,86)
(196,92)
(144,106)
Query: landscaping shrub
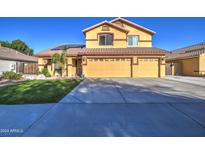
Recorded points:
(11,75)
(45,72)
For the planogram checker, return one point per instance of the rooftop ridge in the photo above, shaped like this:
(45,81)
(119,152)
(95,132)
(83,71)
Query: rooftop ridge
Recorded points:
(12,54)
(193,45)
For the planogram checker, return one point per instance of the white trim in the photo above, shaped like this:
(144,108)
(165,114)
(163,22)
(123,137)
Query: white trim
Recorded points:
(133,45)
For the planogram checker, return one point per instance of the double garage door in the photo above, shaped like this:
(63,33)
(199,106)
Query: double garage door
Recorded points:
(120,67)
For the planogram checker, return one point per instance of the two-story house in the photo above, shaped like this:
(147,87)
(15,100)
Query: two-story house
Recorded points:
(117,48)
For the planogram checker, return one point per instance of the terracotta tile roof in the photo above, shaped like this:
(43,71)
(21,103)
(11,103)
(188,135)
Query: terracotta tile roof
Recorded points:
(50,52)
(102,23)
(11,54)
(123,51)
(106,51)
(190,51)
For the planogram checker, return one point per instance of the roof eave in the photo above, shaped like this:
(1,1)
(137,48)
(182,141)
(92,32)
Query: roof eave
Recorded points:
(22,60)
(180,58)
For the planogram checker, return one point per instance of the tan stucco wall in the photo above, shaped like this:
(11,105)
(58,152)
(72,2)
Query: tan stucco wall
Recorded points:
(92,38)
(120,37)
(202,64)
(190,66)
(92,34)
(143,36)
(42,62)
(186,67)
(177,68)
(162,65)
(95,44)
(50,69)
(145,44)
(71,69)
(173,67)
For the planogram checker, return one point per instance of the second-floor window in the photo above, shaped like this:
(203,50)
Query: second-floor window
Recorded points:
(132,40)
(105,39)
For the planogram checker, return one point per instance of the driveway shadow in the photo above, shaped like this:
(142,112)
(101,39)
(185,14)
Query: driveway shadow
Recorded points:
(111,91)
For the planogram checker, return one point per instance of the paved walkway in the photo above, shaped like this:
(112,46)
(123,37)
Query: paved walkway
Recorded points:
(126,107)
(9,82)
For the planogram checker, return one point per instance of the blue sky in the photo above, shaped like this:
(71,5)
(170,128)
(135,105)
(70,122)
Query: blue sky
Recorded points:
(44,33)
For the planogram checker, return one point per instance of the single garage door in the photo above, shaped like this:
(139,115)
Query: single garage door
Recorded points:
(148,67)
(108,67)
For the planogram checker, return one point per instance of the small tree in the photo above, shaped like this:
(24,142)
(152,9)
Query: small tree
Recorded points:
(19,45)
(63,61)
(55,58)
(60,59)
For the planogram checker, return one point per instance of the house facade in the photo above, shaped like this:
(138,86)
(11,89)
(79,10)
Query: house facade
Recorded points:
(13,60)
(187,61)
(117,48)
(123,34)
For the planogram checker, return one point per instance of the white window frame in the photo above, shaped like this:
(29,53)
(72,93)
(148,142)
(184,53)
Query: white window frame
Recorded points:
(132,44)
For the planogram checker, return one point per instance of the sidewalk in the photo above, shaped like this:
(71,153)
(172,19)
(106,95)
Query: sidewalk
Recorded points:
(9,82)
(187,79)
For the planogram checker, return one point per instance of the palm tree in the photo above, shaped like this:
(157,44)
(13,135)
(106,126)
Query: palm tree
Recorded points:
(60,60)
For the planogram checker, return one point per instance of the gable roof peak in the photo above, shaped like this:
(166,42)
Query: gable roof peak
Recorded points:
(117,18)
(104,22)
(133,24)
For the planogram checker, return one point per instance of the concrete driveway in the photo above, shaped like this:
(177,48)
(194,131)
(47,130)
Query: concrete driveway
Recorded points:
(126,107)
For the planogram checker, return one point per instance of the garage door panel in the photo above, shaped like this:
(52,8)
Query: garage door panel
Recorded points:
(148,67)
(109,67)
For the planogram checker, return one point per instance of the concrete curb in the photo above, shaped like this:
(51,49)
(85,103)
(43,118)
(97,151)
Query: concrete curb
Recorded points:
(72,91)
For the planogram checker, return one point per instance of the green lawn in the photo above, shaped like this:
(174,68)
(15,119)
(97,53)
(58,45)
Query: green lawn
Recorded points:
(36,91)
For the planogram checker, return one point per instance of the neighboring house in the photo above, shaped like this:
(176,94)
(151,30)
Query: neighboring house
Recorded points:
(187,61)
(12,60)
(117,48)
